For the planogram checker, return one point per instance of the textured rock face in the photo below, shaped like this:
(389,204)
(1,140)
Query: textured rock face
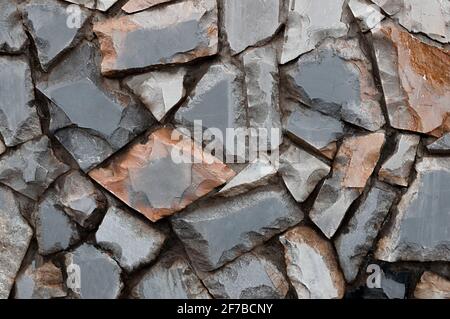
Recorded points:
(353,165)
(432,286)
(31,168)
(221,230)
(367,14)
(15,236)
(170,278)
(311,265)
(131,175)
(440,146)
(301,172)
(99,274)
(414,234)
(12,34)
(175,33)
(251,276)
(413,75)
(249,22)
(336,79)
(314,129)
(52,27)
(139,5)
(132,241)
(310,22)
(159,91)
(359,236)
(19,121)
(102,5)
(396,170)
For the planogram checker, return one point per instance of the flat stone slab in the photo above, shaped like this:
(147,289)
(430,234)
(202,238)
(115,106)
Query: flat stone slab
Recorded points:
(101,5)
(12,33)
(133,6)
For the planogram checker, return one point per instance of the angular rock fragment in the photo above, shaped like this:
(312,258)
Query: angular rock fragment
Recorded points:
(132,241)
(98,274)
(311,265)
(440,146)
(396,170)
(314,129)
(354,243)
(172,277)
(176,33)
(53,28)
(80,199)
(353,165)
(251,276)
(250,22)
(19,121)
(218,231)
(368,15)
(337,80)
(309,22)
(301,172)
(102,5)
(261,78)
(258,173)
(160,91)
(15,236)
(12,34)
(133,6)
(432,286)
(419,229)
(414,76)
(133,175)
(31,168)
(2,147)
(40,280)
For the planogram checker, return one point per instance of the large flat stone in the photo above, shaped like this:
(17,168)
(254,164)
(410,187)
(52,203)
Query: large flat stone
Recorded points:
(101,5)
(133,6)
(12,33)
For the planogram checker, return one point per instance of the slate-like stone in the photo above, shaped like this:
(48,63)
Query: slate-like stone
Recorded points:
(31,168)
(261,78)
(397,168)
(12,34)
(309,22)
(160,91)
(218,231)
(419,229)
(312,266)
(132,241)
(314,129)
(301,172)
(148,178)
(368,15)
(414,76)
(337,80)
(249,22)
(441,145)
(172,277)
(175,33)
(15,236)
(53,28)
(101,5)
(358,237)
(99,274)
(19,121)
(352,167)
(432,286)
(251,276)
(133,6)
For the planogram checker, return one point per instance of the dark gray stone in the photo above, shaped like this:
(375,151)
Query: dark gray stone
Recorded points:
(12,34)
(440,146)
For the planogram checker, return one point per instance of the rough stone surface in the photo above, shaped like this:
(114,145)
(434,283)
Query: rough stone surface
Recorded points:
(440,146)
(19,121)
(397,169)
(132,241)
(311,265)
(15,236)
(419,229)
(354,243)
(367,14)
(101,5)
(413,75)
(301,172)
(159,91)
(131,175)
(99,273)
(221,230)
(353,165)
(432,286)
(12,34)
(31,168)
(175,33)
(133,6)
(309,22)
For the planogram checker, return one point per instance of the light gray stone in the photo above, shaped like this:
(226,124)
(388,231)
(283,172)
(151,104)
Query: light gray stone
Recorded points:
(12,34)
(101,5)
(133,6)
(440,146)
(368,15)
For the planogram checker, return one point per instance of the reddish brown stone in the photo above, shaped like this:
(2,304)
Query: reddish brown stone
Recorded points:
(148,179)
(432,286)
(139,5)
